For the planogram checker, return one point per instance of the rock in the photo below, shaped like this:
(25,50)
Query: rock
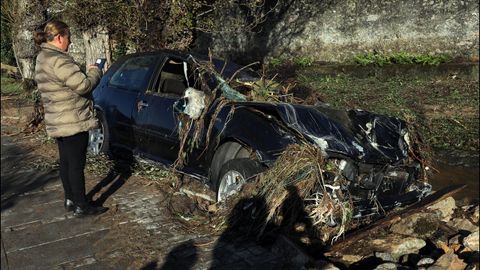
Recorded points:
(386,257)
(398,245)
(387,266)
(445,207)
(472,241)
(425,262)
(462,224)
(423,225)
(394,244)
(454,240)
(350,258)
(475,214)
(448,261)
(443,246)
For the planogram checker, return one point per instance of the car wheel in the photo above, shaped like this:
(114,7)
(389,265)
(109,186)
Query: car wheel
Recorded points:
(98,137)
(234,174)
(224,153)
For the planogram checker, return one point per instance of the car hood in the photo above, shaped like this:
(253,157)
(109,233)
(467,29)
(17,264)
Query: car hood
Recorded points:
(360,135)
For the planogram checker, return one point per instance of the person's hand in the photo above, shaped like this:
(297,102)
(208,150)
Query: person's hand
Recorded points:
(93,66)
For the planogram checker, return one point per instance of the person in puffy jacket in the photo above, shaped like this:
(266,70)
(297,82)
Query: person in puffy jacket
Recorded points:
(69,113)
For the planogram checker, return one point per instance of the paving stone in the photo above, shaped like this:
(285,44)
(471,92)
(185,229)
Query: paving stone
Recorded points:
(24,203)
(82,262)
(39,234)
(44,214)
(51,254)
(3,259)
(112,261)
(44,233)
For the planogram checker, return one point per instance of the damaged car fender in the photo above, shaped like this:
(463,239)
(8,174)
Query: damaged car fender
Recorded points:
(247,129)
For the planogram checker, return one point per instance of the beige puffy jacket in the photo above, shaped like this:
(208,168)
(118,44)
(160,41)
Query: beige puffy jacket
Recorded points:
(65,89)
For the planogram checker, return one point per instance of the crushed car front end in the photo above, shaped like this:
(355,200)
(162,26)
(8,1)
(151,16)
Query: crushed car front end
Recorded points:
(370,155)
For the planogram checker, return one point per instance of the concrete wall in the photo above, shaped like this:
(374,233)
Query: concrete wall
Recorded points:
(334,31)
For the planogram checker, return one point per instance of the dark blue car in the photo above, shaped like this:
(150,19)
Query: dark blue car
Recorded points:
(194,114)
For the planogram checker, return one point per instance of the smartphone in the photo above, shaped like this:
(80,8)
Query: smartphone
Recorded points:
(100,63)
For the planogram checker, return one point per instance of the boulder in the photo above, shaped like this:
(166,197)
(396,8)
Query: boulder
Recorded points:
(351,258)
(425,261)
(445,208)
(448,261)
(472,241)
(387,266)
(398,245)
(462,224)
(455,240)
(476,214)
(386,257)
(422,225)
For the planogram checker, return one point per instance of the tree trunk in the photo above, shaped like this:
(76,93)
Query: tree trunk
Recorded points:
(97,45)
(28,17)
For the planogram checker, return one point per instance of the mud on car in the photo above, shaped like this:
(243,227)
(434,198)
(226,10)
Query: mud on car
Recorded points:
(198,116)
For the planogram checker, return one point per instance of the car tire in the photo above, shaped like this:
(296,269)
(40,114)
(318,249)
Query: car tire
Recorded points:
(234,174)
(225,152)
(98,138)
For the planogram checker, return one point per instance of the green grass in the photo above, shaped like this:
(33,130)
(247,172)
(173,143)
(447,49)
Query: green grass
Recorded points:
(444,111)
(302,61)
(381,59)
(11,86)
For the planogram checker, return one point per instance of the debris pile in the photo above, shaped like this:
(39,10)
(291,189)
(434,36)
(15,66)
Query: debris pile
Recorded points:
(441,236)
(303,181)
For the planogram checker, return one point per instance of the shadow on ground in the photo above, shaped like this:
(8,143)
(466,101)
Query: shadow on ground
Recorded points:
(116,178)
(17,177)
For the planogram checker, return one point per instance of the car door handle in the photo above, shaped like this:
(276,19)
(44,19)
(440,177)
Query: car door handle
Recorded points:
(141,104)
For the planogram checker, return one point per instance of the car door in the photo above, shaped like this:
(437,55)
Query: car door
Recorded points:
(155,117)
(120,92)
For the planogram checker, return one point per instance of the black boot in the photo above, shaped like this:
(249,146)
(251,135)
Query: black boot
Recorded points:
(68,204)
(88,210)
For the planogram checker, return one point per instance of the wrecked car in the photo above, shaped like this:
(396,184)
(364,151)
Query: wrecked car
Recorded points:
(197,116)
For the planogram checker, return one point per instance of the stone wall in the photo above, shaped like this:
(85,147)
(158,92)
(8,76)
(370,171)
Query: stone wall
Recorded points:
(334,31)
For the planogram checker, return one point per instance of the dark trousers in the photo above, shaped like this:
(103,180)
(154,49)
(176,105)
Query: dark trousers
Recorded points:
(73,155)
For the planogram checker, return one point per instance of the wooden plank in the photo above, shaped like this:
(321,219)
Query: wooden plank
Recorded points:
(338,247)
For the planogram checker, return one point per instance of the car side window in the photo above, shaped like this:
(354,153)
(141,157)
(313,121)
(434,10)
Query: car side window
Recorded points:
(172,79)
(135,73)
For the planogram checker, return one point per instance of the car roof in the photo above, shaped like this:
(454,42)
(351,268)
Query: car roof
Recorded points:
(226,68)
